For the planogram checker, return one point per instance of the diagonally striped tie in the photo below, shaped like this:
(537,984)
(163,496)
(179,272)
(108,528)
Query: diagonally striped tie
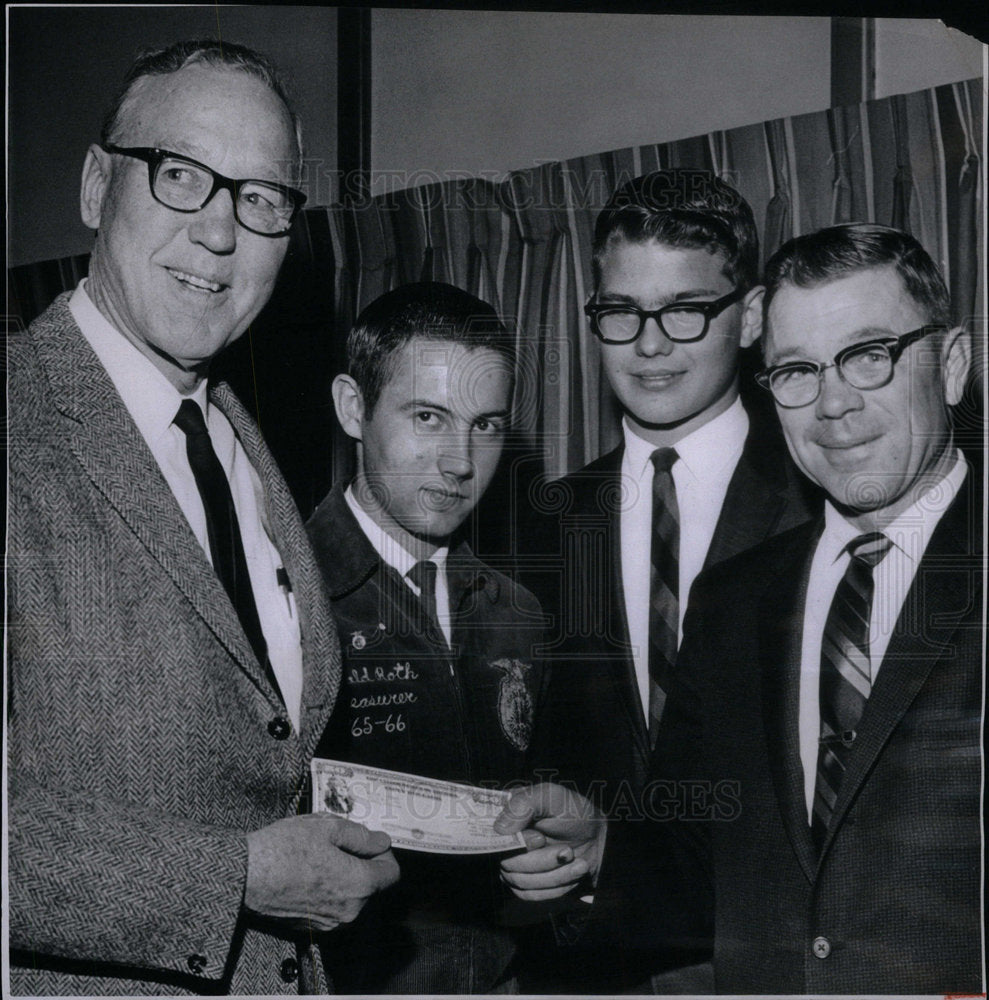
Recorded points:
(664,585)
(846,673)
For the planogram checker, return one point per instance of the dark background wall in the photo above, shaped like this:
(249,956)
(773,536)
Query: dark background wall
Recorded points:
(65,63)
(453,91)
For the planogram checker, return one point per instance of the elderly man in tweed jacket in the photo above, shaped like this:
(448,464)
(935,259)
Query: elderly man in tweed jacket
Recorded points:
(172,655)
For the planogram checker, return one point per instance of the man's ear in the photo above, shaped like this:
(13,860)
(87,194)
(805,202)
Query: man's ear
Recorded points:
(348,400)
(752,316)
(956,360)
(95,181)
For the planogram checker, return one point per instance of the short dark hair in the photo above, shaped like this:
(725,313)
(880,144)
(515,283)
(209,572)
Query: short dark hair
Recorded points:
(837,251)
(212,52)
(426,309)
(687,208)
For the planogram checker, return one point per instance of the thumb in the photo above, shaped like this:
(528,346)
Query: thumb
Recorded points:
(517,814)
(359,840)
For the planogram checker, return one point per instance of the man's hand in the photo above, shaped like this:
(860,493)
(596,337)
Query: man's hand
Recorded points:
(564,835)
(317,870)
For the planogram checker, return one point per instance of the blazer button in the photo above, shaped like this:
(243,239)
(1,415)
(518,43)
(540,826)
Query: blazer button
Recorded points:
(289,970)
(196,963)
(821,947)
(279,728)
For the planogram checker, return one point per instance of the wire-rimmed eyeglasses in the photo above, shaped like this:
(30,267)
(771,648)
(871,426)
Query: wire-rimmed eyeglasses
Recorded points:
(868,365)
(186,185)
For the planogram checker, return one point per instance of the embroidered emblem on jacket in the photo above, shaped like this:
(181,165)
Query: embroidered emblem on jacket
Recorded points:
(514,702)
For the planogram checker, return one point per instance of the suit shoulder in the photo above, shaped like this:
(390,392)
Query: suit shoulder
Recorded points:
(594,485)
(345,557)
(749,568)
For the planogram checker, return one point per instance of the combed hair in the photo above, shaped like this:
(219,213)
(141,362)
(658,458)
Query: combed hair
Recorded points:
(430,310)
(837,251)
(688,208)
(212,52)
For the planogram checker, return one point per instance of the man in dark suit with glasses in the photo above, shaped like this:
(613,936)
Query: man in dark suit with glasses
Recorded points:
(832,677)
(612,549)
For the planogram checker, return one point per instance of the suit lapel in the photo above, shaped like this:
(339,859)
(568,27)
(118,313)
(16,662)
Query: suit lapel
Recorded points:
(781,632)
(757,496)
(114,455)
(321,664)
(940,594)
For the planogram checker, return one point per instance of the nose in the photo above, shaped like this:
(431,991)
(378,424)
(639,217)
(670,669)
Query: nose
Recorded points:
(653,341)
(214,226)
(837,397)
(454,457)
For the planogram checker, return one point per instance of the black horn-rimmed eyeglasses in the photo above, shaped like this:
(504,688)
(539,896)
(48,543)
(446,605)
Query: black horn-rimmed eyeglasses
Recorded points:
(682,322)
(186,185)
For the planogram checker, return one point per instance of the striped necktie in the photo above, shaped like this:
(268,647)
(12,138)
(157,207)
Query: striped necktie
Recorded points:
(664,585)
(846,674)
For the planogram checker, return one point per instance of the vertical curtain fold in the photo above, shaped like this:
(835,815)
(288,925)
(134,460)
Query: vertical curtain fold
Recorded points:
(912,161)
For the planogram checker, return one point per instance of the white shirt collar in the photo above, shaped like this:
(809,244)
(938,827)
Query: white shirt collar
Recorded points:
(705,451)
(149,397)
(391,551)
(912,530)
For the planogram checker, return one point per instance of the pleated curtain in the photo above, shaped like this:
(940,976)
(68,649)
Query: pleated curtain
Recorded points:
(524,244)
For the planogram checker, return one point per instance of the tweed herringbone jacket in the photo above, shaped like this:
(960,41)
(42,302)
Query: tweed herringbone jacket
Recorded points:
(143,739)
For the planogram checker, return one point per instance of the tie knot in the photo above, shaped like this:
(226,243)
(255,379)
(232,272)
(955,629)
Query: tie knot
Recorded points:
(190,419)
(663,459)
(870,548)
(423,575)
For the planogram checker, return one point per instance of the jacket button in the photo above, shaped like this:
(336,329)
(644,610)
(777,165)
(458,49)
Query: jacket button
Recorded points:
(821,947)
(196,963)
(289,970)
(279,728)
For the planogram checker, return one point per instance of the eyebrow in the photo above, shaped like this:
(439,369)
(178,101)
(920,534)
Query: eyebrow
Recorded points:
(199,153)
(425,404)
(689,295)
(863,335)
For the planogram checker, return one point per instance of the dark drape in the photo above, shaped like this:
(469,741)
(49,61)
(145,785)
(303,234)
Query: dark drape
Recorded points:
(524,244)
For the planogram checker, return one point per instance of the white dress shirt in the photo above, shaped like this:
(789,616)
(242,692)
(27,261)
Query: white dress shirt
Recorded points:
(704,467)
(396,555)
(910,534)
(153,402)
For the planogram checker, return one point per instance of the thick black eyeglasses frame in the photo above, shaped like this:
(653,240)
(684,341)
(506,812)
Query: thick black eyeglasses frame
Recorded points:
(894,347)
(594,310)
(153,157)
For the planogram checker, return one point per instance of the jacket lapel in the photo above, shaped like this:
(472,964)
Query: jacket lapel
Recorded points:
(321,663)
(759,493)
(781,632)
(940,593)
(114,455)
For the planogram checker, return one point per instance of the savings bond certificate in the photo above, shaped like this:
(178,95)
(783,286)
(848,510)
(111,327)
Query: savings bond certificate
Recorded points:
(421,814)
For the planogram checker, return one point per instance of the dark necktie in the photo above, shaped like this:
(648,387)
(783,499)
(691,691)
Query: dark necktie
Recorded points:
(423,575)
(846,674)
(225,544)
(664,585)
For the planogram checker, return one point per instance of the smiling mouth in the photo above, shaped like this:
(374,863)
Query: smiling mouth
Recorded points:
(845,445)
(656,380)
(195,281)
